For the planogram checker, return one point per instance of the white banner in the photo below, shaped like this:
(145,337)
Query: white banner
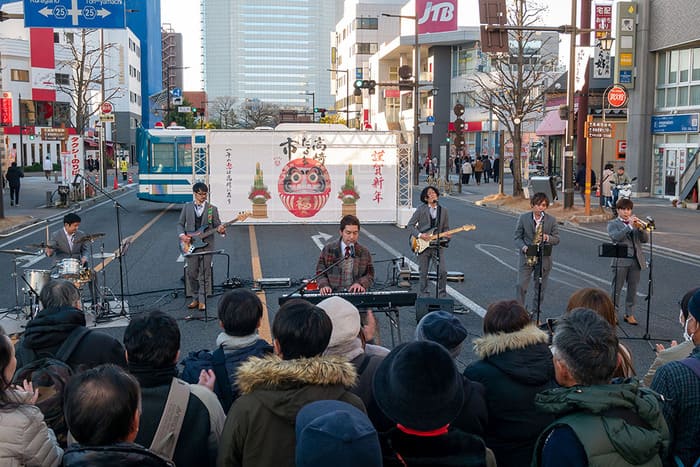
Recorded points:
(304,176)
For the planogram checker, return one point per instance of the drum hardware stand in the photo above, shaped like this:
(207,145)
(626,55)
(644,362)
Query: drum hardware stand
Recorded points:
(102,308)
(33,301)
(117,207)
(16,253)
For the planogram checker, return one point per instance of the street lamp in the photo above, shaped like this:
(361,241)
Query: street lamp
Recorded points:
(416,90)
(313,105)
(347,93)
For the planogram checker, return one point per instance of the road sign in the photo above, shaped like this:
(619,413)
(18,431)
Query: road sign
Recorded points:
(54,134)
(106,107)
(184,109)
(176,92)
(679,123)
(617,96)
(107,117)
(98,14)
(600,130)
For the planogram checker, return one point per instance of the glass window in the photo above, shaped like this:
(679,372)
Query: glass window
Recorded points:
(393,73)
(661,70)
(696,65)
(367,23)
(162,157)
(660,98)
(671,98)
(682,96)
(673,67)
(695,95)
(366,48)
(184,155)
(19,75)
(684,65)
(62,79)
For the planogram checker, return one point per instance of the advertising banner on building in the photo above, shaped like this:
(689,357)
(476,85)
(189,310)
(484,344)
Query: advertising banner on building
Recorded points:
(305,176)
(436,15)
(6,109)
(72,162)
(603,24)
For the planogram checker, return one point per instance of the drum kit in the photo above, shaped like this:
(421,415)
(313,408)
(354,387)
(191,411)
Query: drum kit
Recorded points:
(35,279)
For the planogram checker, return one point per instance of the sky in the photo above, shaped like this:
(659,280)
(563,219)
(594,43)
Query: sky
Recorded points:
(183,15)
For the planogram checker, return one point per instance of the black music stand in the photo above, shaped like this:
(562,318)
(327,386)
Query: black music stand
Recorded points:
(541,251)
(614,250)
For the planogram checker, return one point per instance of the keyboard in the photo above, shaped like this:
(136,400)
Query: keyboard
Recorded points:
(380,299)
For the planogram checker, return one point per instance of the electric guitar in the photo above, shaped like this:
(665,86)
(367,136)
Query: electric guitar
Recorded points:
(197,237)
(418,245)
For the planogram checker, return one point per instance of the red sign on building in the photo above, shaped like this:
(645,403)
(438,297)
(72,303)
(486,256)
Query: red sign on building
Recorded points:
(6,109)
(436,16)
(603,19)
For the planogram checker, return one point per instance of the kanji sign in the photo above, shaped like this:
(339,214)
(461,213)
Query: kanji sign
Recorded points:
(617,96)
(107,107)
(600,130)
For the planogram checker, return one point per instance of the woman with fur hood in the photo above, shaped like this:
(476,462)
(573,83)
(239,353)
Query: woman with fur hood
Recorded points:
(515,364)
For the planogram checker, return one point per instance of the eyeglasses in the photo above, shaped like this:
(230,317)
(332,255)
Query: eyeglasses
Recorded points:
(200,193)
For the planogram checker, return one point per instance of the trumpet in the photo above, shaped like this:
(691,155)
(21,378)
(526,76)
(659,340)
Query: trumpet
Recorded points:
(640,224)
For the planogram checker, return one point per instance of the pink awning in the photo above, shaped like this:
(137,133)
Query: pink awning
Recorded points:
(551,125)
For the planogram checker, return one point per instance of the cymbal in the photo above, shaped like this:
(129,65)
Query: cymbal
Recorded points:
(18,252)
(103,255)
(89,237)
(40,245)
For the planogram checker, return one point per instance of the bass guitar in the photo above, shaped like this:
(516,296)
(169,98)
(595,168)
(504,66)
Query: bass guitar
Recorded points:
(196,241)
(418,245)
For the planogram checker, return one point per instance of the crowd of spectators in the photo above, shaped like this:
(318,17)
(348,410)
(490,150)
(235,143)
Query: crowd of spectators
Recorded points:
(319,394)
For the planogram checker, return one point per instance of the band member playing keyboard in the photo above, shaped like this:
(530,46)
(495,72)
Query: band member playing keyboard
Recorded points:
(352,268)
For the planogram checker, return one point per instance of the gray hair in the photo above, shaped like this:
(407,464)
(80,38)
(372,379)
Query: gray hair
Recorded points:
(587,345)
(59,292)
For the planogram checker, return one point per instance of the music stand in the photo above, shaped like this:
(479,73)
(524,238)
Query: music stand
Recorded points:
(541,251)
(614,250)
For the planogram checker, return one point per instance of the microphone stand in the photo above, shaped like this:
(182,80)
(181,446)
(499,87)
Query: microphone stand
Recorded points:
(117,207)
(300,290)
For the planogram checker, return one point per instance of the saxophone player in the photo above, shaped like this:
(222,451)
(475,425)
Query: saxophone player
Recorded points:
(534,228)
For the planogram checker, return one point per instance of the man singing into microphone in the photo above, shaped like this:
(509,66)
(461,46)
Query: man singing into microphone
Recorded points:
(430,218)
(354,271)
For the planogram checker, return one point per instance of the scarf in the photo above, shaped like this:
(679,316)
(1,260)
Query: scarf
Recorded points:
(150,377)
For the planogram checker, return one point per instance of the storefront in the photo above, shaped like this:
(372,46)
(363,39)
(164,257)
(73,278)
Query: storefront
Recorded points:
(676,144)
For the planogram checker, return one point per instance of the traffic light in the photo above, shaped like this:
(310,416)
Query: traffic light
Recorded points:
(323,112)
(493,13)
(447,139)
(316,110)
(194,112)
(405,75)
(360,84)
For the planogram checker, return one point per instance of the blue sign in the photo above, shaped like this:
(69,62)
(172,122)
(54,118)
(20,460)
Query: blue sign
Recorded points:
(176,92)
(94,14)
(679,123)
(625,76)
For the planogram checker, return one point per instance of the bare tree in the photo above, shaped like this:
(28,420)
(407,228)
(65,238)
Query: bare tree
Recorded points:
(225,108)
(85,60)
(512,88)
(254,113)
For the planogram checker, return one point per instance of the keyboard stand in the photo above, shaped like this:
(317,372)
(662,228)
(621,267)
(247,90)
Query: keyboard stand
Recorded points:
(392,314)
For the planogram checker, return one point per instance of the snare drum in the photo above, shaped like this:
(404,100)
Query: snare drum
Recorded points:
(69,268)
(37,278)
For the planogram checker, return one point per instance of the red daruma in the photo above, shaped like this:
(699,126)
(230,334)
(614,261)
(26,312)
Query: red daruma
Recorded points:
(304,186)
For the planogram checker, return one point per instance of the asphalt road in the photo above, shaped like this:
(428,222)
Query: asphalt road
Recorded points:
(152,268)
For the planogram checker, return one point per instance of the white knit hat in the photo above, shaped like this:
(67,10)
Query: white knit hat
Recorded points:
(345,318)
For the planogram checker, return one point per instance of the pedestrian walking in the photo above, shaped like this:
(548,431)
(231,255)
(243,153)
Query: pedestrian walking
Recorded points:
(48,167)
(488,171)
(124,168)
(496,169)
(13,176)
(478,170)
(467,171)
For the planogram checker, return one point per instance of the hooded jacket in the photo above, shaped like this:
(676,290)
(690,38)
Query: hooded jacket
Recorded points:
(513,368)
(121,454)
(46,333)
(617,424)
(259,429)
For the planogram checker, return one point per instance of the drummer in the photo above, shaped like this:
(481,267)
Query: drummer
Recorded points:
(64,243)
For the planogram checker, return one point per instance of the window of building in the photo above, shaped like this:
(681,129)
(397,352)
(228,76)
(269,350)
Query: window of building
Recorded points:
(69,37)
(394,73)
(367,23)
(366,48)
(393,109)
(467,60)
(62,79)
(19,75)
(678,78)
(56,38)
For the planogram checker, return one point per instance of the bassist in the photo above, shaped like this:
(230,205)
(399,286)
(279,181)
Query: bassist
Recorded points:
(193,216)
(430,218)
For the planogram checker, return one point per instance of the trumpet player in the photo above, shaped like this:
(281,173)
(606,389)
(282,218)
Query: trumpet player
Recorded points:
(628,230)
(532,229)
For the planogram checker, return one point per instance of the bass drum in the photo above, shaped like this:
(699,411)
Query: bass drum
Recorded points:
(37,278)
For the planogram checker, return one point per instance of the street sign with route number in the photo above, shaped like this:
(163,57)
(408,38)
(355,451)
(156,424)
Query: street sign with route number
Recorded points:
(94,14)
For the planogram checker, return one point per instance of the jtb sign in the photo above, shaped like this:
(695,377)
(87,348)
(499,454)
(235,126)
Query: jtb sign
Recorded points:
(436,15)
(98,14)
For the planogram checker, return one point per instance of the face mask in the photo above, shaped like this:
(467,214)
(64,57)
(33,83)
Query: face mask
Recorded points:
(686,336)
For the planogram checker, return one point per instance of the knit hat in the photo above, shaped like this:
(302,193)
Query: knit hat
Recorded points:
(444,328)
(345,318)
(418,386)
(685,300)
(694,305)
(335,433)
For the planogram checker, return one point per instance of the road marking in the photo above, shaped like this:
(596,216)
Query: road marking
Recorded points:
(264,329)
(320,239)
(466,302)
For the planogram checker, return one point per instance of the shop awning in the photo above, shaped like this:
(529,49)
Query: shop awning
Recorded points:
(551,125)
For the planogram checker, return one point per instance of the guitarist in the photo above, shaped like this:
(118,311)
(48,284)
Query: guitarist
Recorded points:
(194,215)
(430,218)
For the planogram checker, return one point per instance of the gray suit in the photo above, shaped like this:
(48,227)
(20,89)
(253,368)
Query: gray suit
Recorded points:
(524,236)
(200,265)
(62,249)
(420,223)
(627,269)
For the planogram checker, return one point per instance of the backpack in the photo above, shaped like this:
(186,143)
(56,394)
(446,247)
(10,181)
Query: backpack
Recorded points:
(50,374)
(195,362)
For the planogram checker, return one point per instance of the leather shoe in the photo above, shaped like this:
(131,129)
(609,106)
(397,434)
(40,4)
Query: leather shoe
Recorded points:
(629,319)
(202,307)
(193,305)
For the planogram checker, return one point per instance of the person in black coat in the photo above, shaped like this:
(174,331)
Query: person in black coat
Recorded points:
(59,318)
(13,176)
(515,364)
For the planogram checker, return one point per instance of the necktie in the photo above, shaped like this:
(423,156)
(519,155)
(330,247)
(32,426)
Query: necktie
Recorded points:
(347,251)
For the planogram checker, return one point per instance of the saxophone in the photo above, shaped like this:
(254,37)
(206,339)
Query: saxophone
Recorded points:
(532,260)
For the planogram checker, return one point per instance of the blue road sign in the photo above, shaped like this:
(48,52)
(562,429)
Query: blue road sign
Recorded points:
(94,14)
(680,123)
(176,92)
